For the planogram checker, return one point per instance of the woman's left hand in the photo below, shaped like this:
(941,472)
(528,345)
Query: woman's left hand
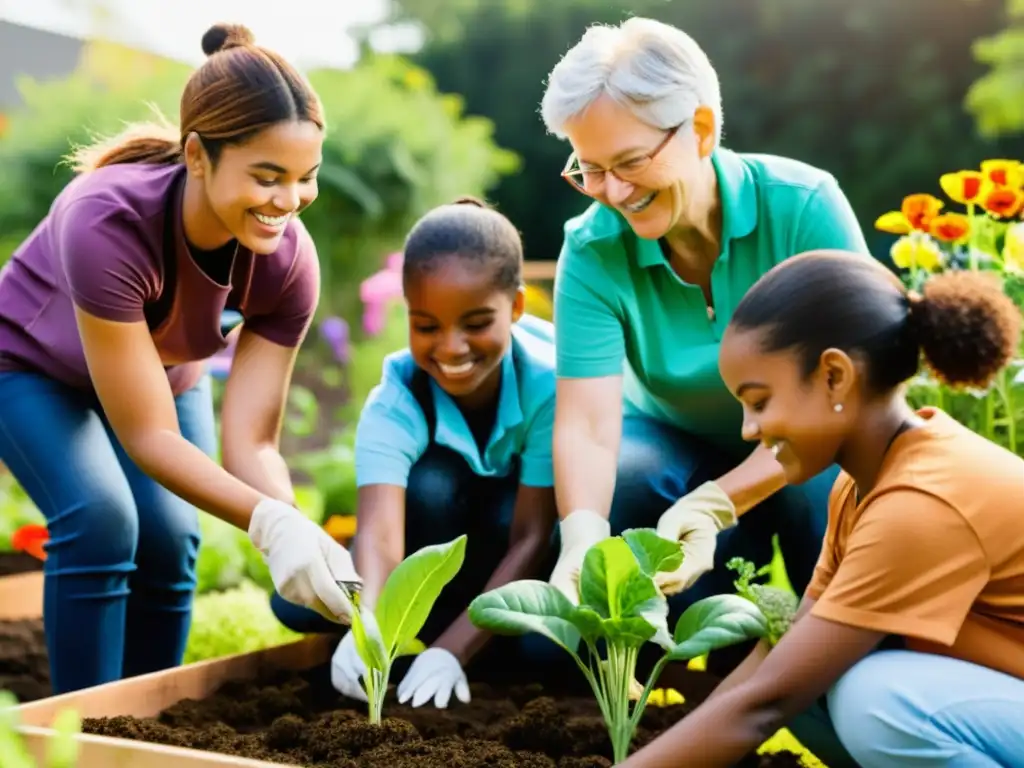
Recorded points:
(695,521)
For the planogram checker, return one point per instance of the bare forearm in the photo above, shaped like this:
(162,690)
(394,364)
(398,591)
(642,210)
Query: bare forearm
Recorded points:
(753,480)
(263,467)
(584,472)
(717,734)
(186,471)
(464,639)
(744,671)
(374,562)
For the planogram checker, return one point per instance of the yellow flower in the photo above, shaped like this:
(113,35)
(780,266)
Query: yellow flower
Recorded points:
(1003,173)
(963,186)
(916,251)
(951,228)
(341,527)
(1013,248)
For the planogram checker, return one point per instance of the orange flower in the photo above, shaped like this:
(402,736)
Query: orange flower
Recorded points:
(1003,202)
(951,227)
(30,539)
(920,209)
(1003,173)
(341,527)
(916,212)
(963,186)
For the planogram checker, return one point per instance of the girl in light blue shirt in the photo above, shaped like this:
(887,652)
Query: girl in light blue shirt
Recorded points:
(456,439)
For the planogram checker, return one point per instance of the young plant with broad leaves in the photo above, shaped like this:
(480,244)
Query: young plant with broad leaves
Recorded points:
(390,630)
(620,608)
(777,604)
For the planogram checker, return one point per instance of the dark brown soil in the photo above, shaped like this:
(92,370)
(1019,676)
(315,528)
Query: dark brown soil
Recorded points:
(18,562)
(298,719)
(24,665)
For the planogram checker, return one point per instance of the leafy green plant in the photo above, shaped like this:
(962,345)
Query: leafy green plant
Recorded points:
(620,608)
(778,605)
(390,630)
(62,750)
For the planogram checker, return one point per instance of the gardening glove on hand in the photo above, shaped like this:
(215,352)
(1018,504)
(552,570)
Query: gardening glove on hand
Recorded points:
(305,563)
(435,672)
(695,521)
(579,531)
(346,669)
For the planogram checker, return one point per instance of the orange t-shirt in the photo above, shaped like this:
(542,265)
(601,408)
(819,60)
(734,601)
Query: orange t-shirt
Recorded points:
(935,553)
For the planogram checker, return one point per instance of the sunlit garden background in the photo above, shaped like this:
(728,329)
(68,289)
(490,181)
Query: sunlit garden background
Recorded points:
(916,106)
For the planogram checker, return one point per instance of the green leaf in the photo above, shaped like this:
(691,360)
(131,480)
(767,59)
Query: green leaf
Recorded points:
(527,606)
(716,622)
(611,581)
(412,589)
(413,647)
(62,751)
(653,553)
(631,632)
(369,643)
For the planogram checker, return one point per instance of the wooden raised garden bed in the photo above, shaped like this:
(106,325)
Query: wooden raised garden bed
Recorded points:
(277,707)
(24,665)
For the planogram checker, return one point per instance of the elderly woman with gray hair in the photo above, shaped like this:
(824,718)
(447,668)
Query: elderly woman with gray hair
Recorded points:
(646,433)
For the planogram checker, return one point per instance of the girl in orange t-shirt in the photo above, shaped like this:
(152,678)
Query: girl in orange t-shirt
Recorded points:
(908,648)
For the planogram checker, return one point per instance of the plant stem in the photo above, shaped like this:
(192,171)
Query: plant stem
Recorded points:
(621,668)
(376,689)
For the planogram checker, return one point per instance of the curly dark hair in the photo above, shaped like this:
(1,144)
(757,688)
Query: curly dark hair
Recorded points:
(466,228)
(967,328)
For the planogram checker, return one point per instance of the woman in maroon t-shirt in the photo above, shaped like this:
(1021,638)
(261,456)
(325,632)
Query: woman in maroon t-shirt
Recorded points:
(108,312)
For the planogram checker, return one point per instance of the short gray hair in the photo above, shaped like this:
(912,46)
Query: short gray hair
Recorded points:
(654,69)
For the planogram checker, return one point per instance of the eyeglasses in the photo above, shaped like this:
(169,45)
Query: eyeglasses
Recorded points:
(588,180)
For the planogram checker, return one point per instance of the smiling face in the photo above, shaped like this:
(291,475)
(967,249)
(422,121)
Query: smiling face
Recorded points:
(657,193)
(256,188)
(792,415)
(460,327)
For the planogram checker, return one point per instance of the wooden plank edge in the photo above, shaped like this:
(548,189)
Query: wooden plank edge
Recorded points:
(147,695)
(21,596)
(104,752)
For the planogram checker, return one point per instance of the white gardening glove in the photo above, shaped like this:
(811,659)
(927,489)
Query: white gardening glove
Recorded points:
(695,521)
(435,672)
(305,563)
(346,668)
(579,531)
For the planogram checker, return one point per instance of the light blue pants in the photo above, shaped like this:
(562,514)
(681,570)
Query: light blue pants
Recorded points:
(900,708)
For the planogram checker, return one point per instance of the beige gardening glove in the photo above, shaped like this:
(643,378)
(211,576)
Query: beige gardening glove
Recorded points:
(695,521)
(579,531)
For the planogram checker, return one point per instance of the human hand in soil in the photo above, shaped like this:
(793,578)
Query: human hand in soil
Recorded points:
(695,522)
(305,563)
(579,531)
(346,669)
(435,673)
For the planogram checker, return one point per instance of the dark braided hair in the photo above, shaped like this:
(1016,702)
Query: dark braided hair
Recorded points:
(963,323)
(467,228)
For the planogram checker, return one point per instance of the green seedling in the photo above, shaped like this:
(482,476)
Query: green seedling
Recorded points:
(620,608)
(383,634)
(778,605)
(62,750)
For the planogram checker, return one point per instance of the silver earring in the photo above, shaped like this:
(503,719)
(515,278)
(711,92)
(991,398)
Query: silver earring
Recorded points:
(838,407)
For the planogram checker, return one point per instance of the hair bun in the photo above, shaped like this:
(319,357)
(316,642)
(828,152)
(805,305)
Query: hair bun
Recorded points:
(223,37)
(470,200)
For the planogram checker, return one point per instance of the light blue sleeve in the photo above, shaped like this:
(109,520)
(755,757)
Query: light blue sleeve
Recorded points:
(536,468)
(828,222)
(589,338)
(391,434)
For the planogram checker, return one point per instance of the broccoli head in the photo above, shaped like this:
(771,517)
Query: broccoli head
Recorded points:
(778,605)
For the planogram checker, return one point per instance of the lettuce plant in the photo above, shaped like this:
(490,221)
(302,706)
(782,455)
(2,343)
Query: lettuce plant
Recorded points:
(620,608)
(61,751)
(389,631)
(778,605)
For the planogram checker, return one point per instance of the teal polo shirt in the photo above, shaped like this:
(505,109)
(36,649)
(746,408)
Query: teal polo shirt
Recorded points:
(620,309)
(391,434)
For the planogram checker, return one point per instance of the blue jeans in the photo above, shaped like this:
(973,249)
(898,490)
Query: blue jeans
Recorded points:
(120,567)
(445,499)
(659,463)
(901,708)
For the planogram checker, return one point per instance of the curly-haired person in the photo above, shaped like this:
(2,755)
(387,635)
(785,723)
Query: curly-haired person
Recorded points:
(909,645)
